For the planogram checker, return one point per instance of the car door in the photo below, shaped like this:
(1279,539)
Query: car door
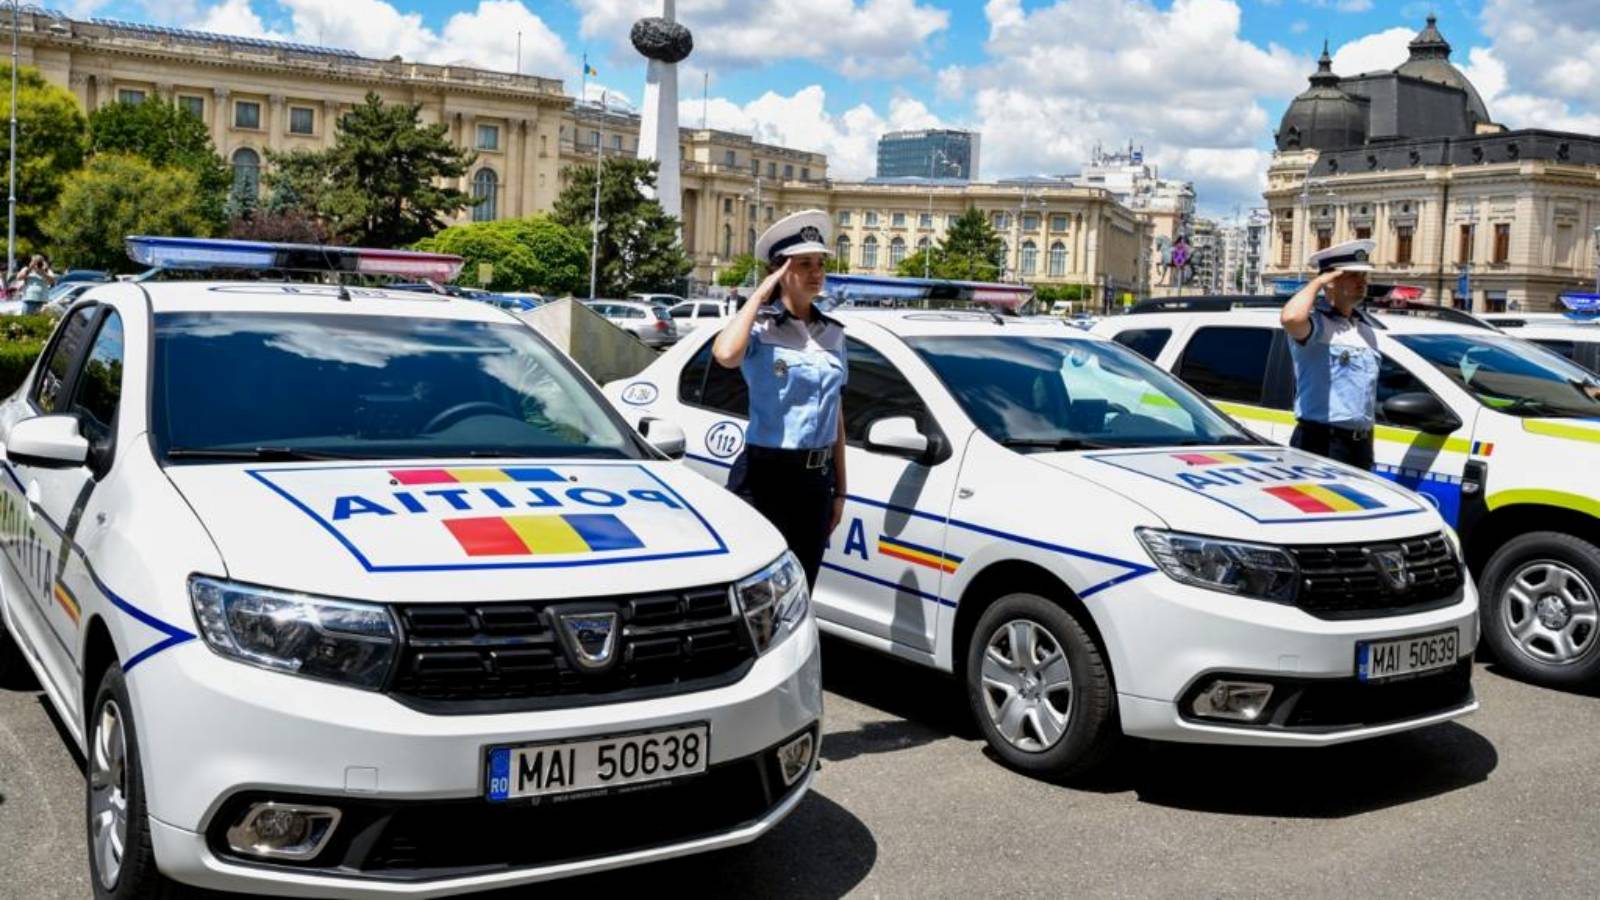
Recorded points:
(1433,465)
(44,504)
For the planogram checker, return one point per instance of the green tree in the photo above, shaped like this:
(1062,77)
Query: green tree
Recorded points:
(970,250)
(527,254)
(639,247)
(738,271)
(50,146)
(384,182)
(116,195)
(165,134)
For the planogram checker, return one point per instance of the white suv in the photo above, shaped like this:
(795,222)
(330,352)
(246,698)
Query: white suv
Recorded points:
(1498,433)
(370,593)
(1096,550)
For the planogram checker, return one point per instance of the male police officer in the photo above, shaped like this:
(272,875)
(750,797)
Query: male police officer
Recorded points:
(1335,356)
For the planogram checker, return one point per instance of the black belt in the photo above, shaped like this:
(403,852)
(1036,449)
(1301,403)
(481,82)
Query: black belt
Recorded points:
(1354,434)
(808,459)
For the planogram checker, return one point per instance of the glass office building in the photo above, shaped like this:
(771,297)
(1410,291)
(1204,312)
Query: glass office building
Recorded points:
(935,153)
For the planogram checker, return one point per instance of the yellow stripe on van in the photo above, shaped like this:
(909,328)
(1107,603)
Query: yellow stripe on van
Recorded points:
(1535,497)
(1557,429)
(1389,433)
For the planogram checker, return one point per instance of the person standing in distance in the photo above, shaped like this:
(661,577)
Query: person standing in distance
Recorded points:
(792,357)
(1336,358)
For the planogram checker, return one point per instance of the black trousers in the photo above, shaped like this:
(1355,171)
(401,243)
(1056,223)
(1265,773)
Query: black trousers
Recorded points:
(798,501)
(1337,444)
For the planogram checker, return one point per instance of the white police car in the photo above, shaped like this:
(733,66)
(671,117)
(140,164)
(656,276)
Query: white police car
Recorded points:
(1093,547)
(1575,337)
(349,592)
(1499,434)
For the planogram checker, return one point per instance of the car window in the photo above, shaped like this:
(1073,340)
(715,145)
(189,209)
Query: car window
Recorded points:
(1501,374)
(692,379)
(99,387)
(1393,379)
(710,309)
(876,390)
(632,312)
(372,387)
(660,312)
(53,375)
(1569,349)
(1227,362)
(682,312)
(1147,342)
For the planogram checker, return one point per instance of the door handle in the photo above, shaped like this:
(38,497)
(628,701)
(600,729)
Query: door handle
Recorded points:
(965,493)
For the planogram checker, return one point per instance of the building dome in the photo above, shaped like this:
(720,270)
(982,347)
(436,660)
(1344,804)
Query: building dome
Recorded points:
(1430,61)
(1323,117)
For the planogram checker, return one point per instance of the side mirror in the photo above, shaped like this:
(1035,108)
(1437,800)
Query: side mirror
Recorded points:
(665,436)
(48,442)
(897,436)
(1422,411)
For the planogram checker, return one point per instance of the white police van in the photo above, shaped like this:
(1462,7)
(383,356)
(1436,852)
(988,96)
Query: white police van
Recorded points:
(369,593)
(1501,435)
(1575,337)
(1095,549)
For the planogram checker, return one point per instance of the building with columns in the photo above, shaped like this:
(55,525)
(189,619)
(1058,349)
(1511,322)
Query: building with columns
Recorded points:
(1476,216)
(258,95)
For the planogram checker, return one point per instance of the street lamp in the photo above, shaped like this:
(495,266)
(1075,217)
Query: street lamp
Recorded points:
(1023,204)
(936,154)
(11,201)
(1597,260)
(594,240)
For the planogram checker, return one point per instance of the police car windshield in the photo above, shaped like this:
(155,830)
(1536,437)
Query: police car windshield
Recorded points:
(1510,375)
(298,386)
(1040,394)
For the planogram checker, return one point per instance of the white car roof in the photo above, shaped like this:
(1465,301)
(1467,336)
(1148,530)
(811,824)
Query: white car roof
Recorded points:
(1581,332)
(1392,323)
(942,322)
(278,297)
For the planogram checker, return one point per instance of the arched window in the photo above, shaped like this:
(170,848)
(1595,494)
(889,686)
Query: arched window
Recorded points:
(727,242)
(869,253)
(1058,259)
(924,245)
(485,190)
(246,173)
(1030,257)
(841,249)
(897,251)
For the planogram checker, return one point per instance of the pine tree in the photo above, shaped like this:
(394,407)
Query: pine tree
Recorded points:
(165,134)
(971,250)
(639,247)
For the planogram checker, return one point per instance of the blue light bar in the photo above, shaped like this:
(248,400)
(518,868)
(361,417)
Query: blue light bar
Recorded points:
(201,254)
(1581,302)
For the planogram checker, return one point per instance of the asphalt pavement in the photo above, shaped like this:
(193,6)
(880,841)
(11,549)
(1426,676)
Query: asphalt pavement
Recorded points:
(909,804)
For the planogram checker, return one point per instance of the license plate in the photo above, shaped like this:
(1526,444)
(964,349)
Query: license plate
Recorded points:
(1384,660)
(538,770)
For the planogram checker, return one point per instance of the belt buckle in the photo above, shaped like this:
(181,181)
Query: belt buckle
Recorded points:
(816,459)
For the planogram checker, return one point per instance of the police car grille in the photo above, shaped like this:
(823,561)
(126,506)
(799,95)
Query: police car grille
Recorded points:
(499,657)
(1342,582)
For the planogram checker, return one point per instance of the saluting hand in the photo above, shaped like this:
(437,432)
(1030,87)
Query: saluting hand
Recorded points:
(764,290)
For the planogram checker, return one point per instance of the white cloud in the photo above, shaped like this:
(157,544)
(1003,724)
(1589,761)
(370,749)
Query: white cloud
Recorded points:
(1374,52)
(484,37)
(1299,26)
(1548,47)
(1353,6)
(858,38)
(801,120)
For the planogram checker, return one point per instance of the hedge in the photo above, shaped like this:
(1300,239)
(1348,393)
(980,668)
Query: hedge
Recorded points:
(21,340)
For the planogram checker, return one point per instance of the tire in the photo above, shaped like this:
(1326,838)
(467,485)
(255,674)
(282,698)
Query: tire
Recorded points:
(1034,721)
(1541,598)
(135,874)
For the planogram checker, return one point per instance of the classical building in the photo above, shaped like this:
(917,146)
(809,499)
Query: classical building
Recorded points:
(258,95)
(1167,204)
(1477,216)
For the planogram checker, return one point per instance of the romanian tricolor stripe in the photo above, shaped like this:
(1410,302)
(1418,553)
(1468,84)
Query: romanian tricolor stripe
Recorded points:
(542,535)
(1212,459)
(1483,448)
(1323,498)
(68,603)
(915,553)
(472,475)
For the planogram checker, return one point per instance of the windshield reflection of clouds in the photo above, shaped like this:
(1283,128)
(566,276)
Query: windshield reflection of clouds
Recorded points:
(318,340)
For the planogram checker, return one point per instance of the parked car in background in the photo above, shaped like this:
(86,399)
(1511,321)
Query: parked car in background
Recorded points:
(691,314)
(648,322)
(658,299)
(94,276)
(509,302)
(63,294)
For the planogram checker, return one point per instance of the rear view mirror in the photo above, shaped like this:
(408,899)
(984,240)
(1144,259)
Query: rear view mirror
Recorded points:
(47,441)
(1422,411)
(665,436)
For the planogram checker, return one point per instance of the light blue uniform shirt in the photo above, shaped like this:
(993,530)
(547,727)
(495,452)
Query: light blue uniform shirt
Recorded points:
(796,372)
(1336,370)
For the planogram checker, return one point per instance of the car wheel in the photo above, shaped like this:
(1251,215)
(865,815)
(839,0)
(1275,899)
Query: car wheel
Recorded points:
(1040,689)
(1541,608)
(122,863)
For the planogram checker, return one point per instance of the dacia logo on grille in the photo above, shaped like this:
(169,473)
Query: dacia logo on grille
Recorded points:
(1391,565)
(590,638)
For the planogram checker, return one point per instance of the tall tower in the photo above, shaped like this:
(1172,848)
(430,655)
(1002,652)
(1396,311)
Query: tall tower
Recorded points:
(664,43)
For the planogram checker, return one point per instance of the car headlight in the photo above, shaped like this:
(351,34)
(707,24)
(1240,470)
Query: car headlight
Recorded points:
(774,601)
(1235,567)
(316,637)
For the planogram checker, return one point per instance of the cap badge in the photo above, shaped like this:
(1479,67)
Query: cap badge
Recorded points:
(811,234)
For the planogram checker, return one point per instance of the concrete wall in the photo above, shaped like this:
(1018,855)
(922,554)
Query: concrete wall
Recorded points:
(600,348)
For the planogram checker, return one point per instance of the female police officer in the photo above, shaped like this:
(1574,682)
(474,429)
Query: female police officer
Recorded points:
(793,360)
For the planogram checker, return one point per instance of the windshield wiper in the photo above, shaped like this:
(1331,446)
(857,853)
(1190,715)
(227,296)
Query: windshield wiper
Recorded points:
(1052,444)
(260,454)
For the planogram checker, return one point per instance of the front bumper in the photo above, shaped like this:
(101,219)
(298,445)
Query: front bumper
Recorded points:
(1166,640)
(215,734)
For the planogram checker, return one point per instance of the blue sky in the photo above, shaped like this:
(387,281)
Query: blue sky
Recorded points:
(1200,84)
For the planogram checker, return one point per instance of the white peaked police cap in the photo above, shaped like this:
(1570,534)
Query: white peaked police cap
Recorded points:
(803,232)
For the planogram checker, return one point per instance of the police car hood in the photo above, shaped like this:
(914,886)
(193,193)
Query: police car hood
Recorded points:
(1269,494)
(453,530)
